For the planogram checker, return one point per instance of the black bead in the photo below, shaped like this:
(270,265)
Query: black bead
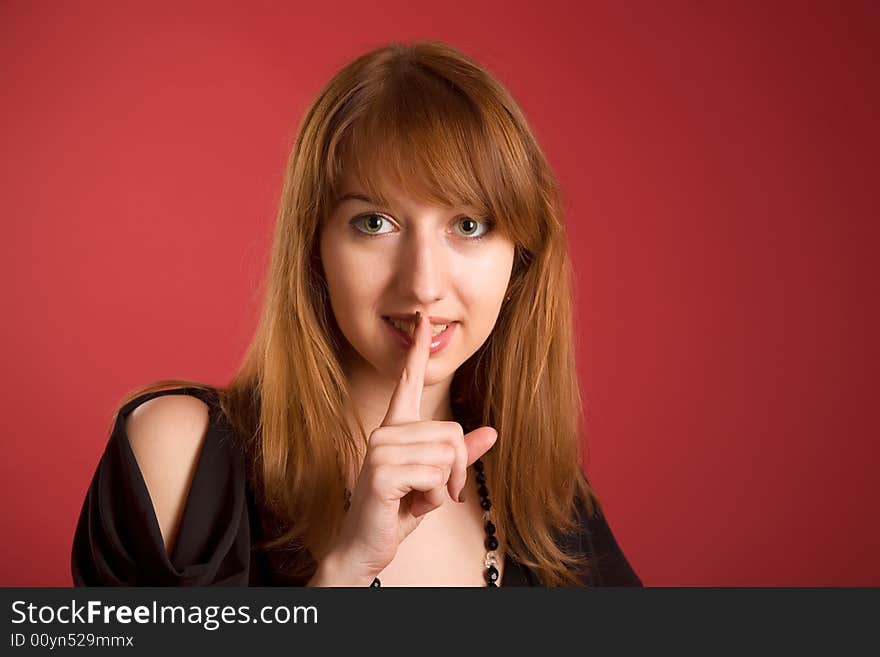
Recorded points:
(478,465)
(491,574)
(376,583)
(490,528)
(485,503)
(482,491)
(491,543)
(481,477)
(491,584)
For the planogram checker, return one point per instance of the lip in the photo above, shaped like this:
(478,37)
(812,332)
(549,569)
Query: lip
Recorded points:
(437,343)
(410,317)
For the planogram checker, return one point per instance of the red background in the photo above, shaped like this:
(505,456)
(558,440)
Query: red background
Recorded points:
(720,168)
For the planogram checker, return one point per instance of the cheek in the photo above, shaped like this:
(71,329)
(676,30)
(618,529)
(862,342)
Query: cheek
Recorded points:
(338,267)
(490,273)
(354,278)
(483,283)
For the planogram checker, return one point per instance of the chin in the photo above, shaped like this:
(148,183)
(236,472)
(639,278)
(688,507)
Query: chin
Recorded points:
(389,363)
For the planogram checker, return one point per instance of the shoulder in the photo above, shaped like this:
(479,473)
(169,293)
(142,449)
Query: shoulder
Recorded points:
(609,564)
(612,568)
(167,504)
(166,431)
(168,422)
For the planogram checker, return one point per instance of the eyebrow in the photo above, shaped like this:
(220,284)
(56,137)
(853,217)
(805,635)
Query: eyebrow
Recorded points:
(356,196)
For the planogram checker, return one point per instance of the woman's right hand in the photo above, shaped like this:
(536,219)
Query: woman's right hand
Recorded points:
(409,467)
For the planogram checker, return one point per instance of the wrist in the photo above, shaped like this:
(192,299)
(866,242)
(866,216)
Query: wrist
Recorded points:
(335,569)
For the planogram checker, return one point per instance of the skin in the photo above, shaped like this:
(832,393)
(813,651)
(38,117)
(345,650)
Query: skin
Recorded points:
(423,259)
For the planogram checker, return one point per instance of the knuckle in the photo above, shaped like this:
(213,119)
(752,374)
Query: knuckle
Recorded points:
(381,454)
(438,476)
(447,453)
(456,431)
(380,478)
(376,436)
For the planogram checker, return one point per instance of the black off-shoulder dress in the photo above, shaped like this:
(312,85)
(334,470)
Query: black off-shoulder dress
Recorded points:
(118,543)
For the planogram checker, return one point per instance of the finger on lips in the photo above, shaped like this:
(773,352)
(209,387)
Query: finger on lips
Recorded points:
(406,400)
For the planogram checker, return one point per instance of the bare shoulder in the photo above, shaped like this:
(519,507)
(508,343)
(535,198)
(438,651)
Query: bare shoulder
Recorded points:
(170,421)
(166,434)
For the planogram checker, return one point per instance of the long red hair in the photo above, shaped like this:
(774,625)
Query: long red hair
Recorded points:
(446,131)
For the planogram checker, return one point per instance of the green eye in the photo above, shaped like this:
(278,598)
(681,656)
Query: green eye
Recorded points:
(372,223)
(470,227)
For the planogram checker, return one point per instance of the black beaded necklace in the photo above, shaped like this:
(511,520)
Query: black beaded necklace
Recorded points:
(491,571)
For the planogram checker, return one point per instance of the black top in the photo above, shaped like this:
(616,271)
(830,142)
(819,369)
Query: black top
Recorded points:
(118,542)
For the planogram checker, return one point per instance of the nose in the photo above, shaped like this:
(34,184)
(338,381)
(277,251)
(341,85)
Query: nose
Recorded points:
(423,267)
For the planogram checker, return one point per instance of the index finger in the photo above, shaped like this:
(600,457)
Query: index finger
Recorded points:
(406,400)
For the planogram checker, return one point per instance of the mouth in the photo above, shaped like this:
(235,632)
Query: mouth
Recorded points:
(407,327)
(402,331)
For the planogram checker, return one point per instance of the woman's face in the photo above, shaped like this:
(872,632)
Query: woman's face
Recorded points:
(382,262)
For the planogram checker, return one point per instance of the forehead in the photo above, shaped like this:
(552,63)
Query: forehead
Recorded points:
(383,189)
(386,154)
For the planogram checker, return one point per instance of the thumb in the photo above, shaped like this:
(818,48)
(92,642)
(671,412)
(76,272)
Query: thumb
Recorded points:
(478,442)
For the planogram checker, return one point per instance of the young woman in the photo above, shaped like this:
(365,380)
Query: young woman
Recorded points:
(407,412)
